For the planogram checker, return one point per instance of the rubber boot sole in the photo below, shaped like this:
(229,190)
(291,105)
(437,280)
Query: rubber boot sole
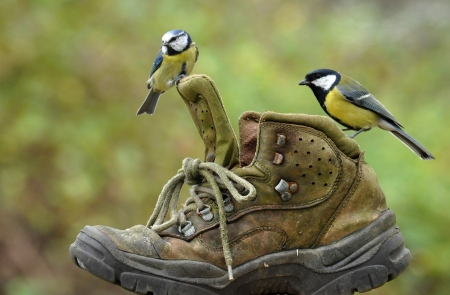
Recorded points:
(363,261)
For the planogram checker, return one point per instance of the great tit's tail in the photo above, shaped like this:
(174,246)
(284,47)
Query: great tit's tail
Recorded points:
(149,104)
(413,144)
(396,130)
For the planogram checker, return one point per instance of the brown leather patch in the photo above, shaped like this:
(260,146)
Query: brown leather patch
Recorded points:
(248,130)
(256,242)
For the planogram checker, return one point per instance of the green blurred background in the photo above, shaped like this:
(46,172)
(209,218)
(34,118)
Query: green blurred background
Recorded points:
(72,151)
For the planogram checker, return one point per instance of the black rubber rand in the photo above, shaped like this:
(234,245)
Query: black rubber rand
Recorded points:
(387,260)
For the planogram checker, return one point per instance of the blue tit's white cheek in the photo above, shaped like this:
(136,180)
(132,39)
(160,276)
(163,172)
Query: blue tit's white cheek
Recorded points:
(325,82)
(164,49)
(180,43)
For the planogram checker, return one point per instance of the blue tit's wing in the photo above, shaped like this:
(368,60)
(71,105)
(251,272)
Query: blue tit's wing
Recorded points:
(196,56)
(360,96)
(156,63)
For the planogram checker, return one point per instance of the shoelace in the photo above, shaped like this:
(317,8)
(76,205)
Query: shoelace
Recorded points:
(193,173)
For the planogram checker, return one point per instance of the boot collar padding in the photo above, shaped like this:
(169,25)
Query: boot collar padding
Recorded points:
(249,124)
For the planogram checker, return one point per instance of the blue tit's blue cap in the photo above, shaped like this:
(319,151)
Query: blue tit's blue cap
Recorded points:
(176,32)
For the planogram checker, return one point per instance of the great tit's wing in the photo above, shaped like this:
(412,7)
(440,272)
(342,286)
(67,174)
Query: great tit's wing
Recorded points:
(360,96)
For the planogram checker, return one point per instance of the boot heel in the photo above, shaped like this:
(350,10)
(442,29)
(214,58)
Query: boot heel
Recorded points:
(388,263)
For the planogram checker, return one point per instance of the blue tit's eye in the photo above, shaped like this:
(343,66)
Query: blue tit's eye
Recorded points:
(173,39)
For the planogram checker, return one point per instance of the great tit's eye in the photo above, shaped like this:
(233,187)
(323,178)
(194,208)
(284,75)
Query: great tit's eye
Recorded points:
(317,76)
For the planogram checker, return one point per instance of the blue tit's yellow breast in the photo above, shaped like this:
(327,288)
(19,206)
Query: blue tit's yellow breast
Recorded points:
(348,113)
(171,68)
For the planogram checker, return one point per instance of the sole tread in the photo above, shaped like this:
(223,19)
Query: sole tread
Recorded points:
(389,259)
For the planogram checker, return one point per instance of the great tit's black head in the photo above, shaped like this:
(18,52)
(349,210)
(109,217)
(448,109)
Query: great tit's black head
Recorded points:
(323,79)
(175,41)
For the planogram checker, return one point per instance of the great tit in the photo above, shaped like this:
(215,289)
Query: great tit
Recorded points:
(175,59)
(350,104)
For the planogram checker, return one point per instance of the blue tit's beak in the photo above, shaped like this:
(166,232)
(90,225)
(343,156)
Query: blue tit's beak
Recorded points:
(304,82)
(165,44)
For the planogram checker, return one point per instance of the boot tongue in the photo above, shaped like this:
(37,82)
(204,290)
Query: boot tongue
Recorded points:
(208,113)
(205,105)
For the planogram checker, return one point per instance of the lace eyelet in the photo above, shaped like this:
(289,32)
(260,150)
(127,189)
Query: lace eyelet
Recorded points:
(187,230)
(206,213)
(286,189)
(229,206)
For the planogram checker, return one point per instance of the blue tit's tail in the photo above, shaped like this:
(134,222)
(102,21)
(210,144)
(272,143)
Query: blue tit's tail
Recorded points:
(150,102)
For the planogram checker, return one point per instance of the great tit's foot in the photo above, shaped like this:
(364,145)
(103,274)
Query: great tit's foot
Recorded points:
(357,132)
(177,80)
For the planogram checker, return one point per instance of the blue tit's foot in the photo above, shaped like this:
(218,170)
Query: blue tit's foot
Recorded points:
(177,80)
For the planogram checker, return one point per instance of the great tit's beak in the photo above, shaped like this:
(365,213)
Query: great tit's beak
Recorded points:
(304,82)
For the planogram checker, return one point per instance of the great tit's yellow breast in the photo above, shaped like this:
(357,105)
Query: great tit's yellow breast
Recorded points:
(348,113)
(171,67)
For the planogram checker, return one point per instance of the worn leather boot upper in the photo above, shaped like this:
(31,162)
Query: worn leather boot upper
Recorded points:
(312,188)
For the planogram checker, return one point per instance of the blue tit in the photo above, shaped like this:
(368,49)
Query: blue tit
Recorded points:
(350,104)
(175,60)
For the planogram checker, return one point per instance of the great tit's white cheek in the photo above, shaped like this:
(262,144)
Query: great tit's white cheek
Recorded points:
(164,49)
(325,82)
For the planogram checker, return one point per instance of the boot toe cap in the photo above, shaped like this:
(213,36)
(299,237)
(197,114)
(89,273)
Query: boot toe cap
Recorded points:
(139,240)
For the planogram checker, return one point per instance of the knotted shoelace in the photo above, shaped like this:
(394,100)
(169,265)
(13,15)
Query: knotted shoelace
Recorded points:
(214,178)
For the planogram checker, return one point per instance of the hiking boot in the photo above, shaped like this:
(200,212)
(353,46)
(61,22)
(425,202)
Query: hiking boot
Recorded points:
(292,209)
